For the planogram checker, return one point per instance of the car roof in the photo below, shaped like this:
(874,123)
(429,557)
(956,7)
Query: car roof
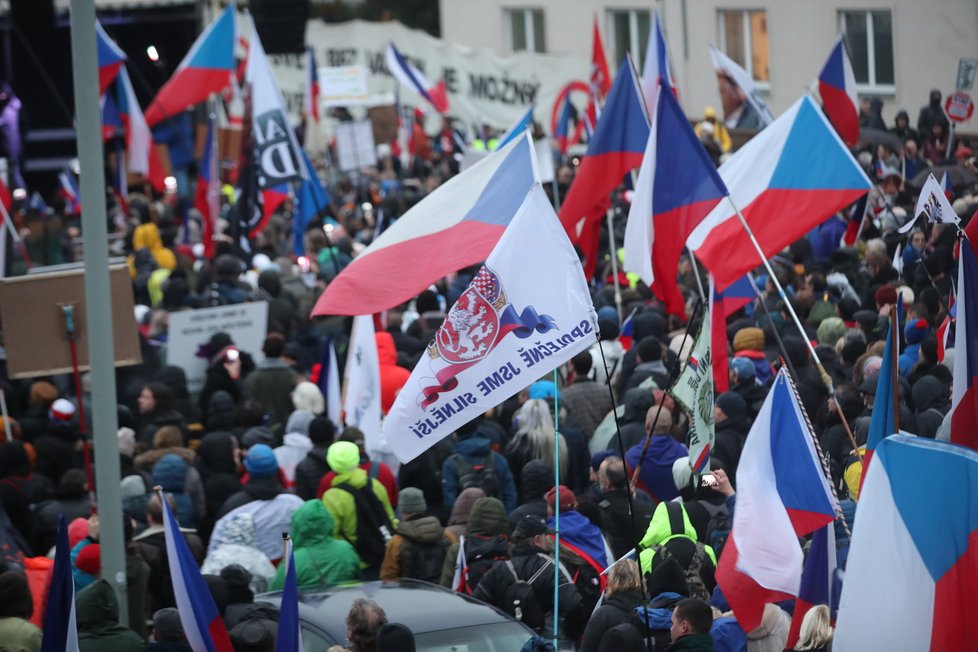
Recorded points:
(421,606)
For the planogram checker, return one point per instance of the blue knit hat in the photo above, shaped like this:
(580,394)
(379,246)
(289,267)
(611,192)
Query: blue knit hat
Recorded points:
(261,461)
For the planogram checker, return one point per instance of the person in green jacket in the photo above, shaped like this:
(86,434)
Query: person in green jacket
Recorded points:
(671,540)
(320,559)
(343,458)
(690,631)
(97,615)
(17,633)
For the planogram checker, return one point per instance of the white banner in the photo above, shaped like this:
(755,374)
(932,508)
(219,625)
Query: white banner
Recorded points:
(482,86)
(526,312)
(246,323)
(343,86)
(361,376)
(355,145)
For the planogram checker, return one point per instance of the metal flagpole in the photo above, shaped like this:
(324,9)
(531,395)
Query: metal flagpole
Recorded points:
(98,297)
(614,260)
(794,316)
(556,507)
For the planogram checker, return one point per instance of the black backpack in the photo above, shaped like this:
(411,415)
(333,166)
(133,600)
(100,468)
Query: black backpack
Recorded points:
(696,587)
(482,476)
(481,555)
(520,600)
(374,527)
(425,560)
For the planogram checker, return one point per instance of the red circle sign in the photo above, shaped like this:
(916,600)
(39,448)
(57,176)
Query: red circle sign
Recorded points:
(959,106)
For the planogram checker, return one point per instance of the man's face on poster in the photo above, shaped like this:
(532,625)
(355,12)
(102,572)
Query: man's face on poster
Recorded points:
(731,97)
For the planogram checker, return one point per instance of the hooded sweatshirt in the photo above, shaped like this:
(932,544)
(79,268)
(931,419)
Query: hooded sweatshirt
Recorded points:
(320,559)
(671,528)
(295,445)
(656,475)
(342,506)
(487,534)
(239,547)
(97,614)
(462,509)
(392,377)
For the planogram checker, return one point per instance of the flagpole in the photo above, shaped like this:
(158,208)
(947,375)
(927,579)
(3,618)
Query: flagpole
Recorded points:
(614,260)
(556,505)
(895,368)
(794,316)
(672,376)
(777,336)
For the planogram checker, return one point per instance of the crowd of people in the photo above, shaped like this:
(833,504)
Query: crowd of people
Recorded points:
(254,454)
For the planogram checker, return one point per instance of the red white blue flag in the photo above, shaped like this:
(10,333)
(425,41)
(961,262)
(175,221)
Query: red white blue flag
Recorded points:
(68,190)
(207,198)
(111,58)
(837,87)
(658,68)
(311,97)
(817,579)
(964,391)
(408,74)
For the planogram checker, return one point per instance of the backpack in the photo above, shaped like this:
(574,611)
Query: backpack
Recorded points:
(144,265)
(520,600)
(425,560)
(374,528)
(482,476)
(696,588)
(719,526)
(481,554)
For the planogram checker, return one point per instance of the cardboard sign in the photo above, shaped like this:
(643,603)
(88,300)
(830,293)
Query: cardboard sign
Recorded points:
(355,145)
(343,86)
(246,323)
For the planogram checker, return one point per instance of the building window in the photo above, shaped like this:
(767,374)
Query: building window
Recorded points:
(743,37)
(526,31)
(629,33)
(869,37)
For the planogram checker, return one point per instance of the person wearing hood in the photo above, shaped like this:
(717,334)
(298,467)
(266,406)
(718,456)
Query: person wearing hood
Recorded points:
(344,459)
(636,404)
(311,469)
(392,377)
(536,479)
(623,594)
(239,546)
(176,379)
(271,383)
(931,114)
(473,449)
(227,365)
(220,412)
(655,477)
(459,517)
(97,617)
(670,544)
(901,128)
(732,423)
(772,634)
(486,543)
(264,497)
(650,364)
(931,402)
(296,444)
(743,381)
(321,560)
(171,474)
(20,488)
(147,236)
(417,549)
(915,332)
(17,633)
(71,499)
(218,465)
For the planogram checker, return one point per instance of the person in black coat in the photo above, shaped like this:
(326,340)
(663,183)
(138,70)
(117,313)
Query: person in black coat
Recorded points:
(732,425)
(311,470)
(536,479)
(622,533)
(218,465)
(623,594)
(637,404)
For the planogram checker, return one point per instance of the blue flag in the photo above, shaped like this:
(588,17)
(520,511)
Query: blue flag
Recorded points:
(60,631)
(288,639)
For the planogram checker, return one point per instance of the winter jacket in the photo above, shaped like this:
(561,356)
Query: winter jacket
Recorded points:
(341,503)
(238,546)
(392,377)
(655,478)
(487,535)
(271,385)
(615,610)
(97,614)
(45,519)
(272,514)
(150,423)
(474,449)
(295,446)
(692,643)
(219,473)
(151,546)
(309,472)
(728,442)
(320,559)
(260,488)
(671,528)
(586,537)
(423,531)
(379,470)
(19,635)
(637,403)
(587,402)
(621,531)
(170,473)
(930,401)
(460,512)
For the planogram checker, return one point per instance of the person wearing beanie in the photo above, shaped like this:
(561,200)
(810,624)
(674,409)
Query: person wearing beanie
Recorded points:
(321,557)
(343,458)
(56,444)
(830,331)
(296,444)
(374,469)
(97,618)
(168,634)
(915,331)
(743,381)
(311,469)
(254,635)
(732,420)
(417,549)
(886,295)
(671,529)
(749,343)
(486,544)
(395,636)
(264,496)
(17,633)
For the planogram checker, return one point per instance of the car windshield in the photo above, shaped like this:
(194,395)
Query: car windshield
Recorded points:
(497,637)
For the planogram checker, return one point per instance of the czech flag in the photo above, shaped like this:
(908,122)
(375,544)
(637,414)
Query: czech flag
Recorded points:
(207,199)
(718,340)
(562,131)
(120,109)
(667,206)
(455,226)
(627,330)
(817,578)
(60,630)
(311,97)
(615,150)
(202,623)
(405,73)
(110,58)
(913,563)
(206,69)
(964,391)
(837,86)
(944,330)
(797,164)
(68,190)
(658,69)
(599,84)
(523,123)
(782,494)
(288,637)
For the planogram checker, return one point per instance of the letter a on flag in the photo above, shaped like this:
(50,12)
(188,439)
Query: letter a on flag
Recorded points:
(693,391)
(525,313)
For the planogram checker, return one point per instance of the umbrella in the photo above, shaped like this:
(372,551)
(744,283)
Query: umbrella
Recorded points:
(874,137)
(959,176)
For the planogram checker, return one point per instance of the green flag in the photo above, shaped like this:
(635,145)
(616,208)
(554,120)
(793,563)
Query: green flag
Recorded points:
(693,391)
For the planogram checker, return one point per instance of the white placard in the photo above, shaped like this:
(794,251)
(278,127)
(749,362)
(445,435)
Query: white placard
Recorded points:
(355,145)
(246,323)
(343,86)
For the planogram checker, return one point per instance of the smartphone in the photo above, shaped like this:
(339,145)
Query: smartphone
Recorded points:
(232,355)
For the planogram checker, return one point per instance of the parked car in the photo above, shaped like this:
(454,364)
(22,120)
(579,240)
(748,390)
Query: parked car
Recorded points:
(442,620)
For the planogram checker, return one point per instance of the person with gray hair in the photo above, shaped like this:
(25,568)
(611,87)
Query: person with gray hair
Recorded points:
(363,622)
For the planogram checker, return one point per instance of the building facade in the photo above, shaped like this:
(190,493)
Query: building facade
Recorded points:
(900,49)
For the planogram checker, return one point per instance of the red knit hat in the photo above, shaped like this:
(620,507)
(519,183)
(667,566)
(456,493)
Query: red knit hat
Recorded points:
(568,500)
(89,559)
